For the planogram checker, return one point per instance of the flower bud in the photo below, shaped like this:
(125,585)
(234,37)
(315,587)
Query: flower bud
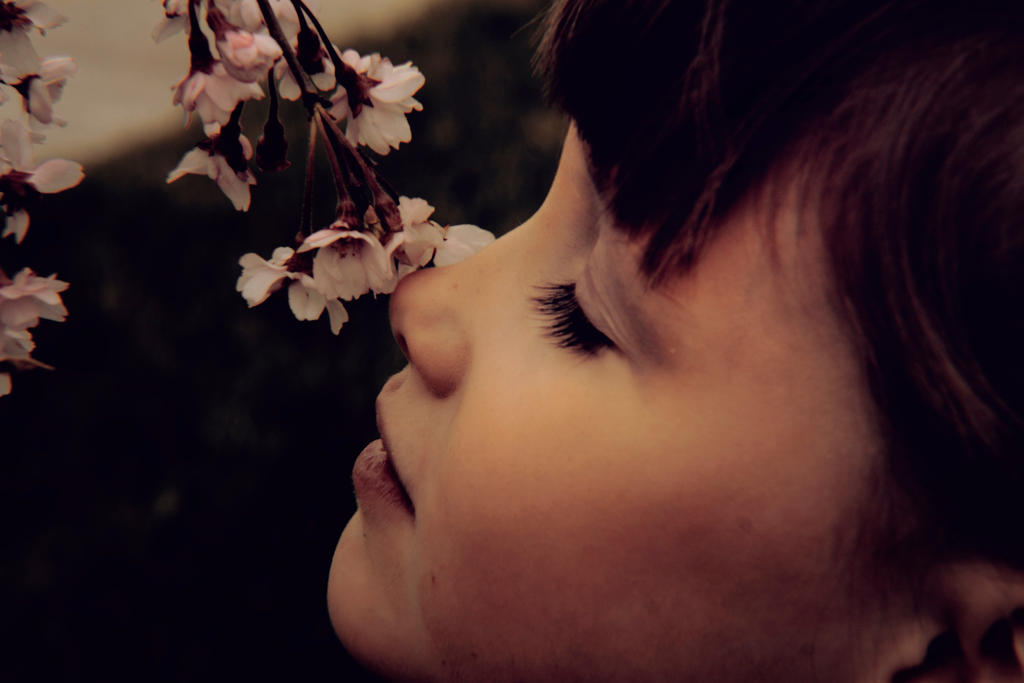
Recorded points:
(272,147)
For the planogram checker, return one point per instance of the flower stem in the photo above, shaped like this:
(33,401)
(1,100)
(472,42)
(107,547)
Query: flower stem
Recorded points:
(343,177)
(310,98)
(340,67)
(379,197)
(306,223)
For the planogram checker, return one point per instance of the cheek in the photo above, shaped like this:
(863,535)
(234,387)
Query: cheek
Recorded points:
(557,526)
(567,524)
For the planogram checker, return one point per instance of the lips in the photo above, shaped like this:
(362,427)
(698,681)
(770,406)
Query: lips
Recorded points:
(376,481)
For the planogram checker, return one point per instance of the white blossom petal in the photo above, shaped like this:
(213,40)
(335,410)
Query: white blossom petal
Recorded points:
(56,175)
(17,145)
(247,56)
(256,286)
(305,301)
(167,27)
(422,236)
(233,184)
(17,225)
(28,298)
(39,104)
(337,313)
(15,344)
(5,381)
(382,125)
(19,56)
(260,278)
(340,274)
(461,242)
(195,161)
(399,83)
(321,238)
(41,14)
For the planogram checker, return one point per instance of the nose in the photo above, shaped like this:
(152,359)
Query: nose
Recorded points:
(429,322)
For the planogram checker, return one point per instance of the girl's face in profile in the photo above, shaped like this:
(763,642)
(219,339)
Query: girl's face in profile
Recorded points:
(672,496)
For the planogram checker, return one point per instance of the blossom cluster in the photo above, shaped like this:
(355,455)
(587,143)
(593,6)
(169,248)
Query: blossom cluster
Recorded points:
(39,83)
(354,103)
(349,263)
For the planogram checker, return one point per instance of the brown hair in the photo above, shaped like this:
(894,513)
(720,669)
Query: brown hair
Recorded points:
(908,119)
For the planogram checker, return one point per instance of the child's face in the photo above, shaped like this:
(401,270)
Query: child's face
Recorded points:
(673,507)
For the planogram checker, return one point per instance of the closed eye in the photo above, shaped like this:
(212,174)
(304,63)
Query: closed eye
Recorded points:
(567,323)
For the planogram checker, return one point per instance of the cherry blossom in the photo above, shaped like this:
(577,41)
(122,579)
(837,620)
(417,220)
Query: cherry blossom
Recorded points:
(349,263)
(175,15)
(21,180)
(28,298)
(247,56)
(16,344)
(39,14)
(16,225)
(17,18)
(246,14)
(17,55)
(260,278)
(366,249)
(224,163)
(425,239)
(213,94)
(23,302)
(422,236)
(323,78)
(307,302)
(461,242)
(40,90)
(380,123)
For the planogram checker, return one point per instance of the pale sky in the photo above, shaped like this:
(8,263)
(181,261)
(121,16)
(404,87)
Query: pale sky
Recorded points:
(121,94)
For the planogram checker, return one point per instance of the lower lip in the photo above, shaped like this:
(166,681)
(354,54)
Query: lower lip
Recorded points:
(374,478)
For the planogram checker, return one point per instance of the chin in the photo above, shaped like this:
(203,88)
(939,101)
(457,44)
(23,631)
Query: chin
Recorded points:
(362,611)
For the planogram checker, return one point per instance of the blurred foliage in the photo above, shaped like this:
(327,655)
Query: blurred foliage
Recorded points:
(174,490)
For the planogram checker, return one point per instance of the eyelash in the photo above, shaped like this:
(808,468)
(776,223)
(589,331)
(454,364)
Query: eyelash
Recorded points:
(567,323)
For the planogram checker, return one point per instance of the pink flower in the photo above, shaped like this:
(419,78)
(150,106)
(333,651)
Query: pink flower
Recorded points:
(28,298)
(288,88)
(380,123)
(15,343)
(461,242)
(350,263)
(422,236)
(308,303)
(20,178)
(247,56)
(17,18)
(214,95)
(23,302)
(223,162)
(246,14)
(40,90)
(260,278)
(37,14)
(175,14)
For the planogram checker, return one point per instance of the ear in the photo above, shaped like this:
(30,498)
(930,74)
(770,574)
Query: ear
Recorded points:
(974,631)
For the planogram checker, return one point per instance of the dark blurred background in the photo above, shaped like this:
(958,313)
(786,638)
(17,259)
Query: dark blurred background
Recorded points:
(171,495)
